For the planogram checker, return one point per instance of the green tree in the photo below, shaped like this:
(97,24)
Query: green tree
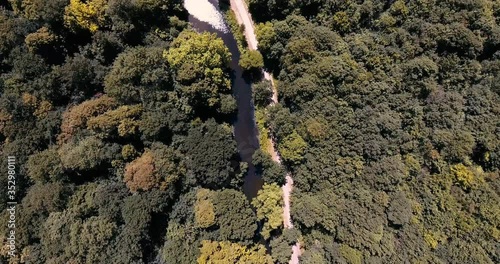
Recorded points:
(251,60)
(45,166)
(212,155)
(262,93)
(269,170)
(87,154)
(122,121)
(239,225)
(281,246)
(88,239)
(201,62)
(292,148)
(139,75)
(399,211)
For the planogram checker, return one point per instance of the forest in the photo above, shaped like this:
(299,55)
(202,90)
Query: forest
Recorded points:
(389,120)
(120,117)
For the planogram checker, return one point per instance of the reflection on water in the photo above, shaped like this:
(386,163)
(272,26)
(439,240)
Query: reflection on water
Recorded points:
(208,12)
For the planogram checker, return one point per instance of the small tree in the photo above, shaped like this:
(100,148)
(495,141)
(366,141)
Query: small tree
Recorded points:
(292,148)
(262,93)
(251,60)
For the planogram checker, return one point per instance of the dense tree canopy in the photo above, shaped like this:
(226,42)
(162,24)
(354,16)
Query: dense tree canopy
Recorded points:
(387,119)
(120,116)
(112,133)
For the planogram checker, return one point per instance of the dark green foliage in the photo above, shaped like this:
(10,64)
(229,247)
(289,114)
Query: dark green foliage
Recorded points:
(269,170)
(387,121)
(234,225)
(212,155)
(281,246)
(399,211)
(262,93)
(139,75)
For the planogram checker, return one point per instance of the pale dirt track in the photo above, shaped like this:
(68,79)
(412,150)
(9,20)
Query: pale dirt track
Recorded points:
(243,17)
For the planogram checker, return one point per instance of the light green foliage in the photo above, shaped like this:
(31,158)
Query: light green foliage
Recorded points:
(264,140)
(237,30)
(341,21)
(122,121)
(464,176)
(89,238)
(206,53)
(351,255)
(265,35)
(84,155)
(269,204)
(251,60)
(45,166)
(201,62)
(129,152)
(292,148)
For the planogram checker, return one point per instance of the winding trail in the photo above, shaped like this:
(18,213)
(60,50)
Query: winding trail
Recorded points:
(243,17)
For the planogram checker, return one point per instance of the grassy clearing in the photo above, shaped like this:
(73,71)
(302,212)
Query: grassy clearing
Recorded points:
(261,120)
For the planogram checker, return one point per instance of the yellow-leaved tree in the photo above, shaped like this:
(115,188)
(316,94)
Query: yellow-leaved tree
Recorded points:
(89,15)
(226,252)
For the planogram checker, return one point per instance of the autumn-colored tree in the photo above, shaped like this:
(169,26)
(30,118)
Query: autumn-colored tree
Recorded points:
(41,40)
(159,167)
(122,120)
(204,213)
(139,174)
(76,117)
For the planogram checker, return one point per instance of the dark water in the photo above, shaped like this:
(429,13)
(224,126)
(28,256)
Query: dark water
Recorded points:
(245,130)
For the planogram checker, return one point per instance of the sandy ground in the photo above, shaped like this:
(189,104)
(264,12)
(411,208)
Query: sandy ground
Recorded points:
(243,16)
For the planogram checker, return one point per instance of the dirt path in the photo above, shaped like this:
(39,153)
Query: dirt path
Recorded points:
(243,17)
